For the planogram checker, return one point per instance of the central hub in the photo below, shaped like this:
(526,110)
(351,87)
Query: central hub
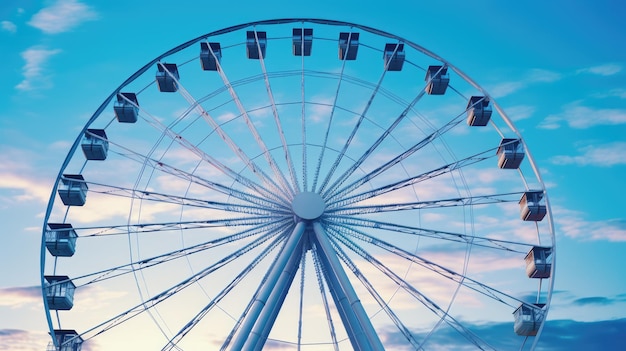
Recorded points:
(308,205)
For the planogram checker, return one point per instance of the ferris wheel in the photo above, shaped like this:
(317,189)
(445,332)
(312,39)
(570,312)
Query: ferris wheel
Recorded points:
(298,184)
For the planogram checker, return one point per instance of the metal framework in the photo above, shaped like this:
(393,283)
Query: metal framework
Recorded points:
(339,188)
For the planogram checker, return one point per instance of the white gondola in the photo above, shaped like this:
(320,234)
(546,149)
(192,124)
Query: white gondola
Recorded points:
(210,55)
(125,108)
(510,153)
(302,41)
(438,79)
(528,319)
(95,144)
(61,239)
(73,190)
(539,262)
(394,57)
(254,42)
(348,45)
(478,111)
(59,292)
(66,340)
(167,77)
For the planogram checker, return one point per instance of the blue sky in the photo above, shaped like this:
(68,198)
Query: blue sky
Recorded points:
(557,68)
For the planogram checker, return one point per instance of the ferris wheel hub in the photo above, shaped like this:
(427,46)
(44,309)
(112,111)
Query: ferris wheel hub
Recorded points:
(308,205)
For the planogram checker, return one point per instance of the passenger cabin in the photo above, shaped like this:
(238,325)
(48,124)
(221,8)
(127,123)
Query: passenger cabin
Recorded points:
(95,144)
(532,206)
(73,190)
(67,340)
(59,292)
(528,319)
(394,57)
(302,41)
(167,77)
(61,239)
(478,111)
(510,153)
(348,45)
(539,262)
(255,42)
(437,79)
(125,108)
(210,55)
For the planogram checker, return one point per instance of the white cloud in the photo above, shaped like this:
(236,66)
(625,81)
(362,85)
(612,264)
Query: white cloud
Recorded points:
(8,26)
(596,155)
(15,297)
(618,92)
(28,188)
(602,70)
(572,224)
(62,16)
(520,112)
(22,340)
(17,176)
(541,75)
(33,70)
(533,76)
(583,117)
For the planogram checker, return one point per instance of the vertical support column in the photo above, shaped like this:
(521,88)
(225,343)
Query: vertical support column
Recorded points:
(367,339)
(279,271)
(260,332)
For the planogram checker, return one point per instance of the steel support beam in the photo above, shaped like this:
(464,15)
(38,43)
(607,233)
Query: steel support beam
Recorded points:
(357,320)
(280,271)
(266,320)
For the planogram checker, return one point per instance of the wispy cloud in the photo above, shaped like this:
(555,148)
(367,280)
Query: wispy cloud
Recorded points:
(22,340)
(583,117)
(62,16)
(531,77)
(517,113)
(572,224)
(605,155)
(599,300)
(18,296)
(18,177)
(34,69)
(558,335)
(608,69)
(8,26)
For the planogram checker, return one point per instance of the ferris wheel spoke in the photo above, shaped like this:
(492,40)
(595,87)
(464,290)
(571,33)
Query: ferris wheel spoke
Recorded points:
(330,121)
(320,284)
(347,200)
(341,179)
(284,188)
(279,128)
(270,229)
(182,200)
(357,125)
(156,123)
(305,171)
(419,296)
(457,277)
(153,301)
(417,205)
(230,142)
(505,245)
(394,161)
(373,291)
(263,202)
(218,297)
(151,227)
